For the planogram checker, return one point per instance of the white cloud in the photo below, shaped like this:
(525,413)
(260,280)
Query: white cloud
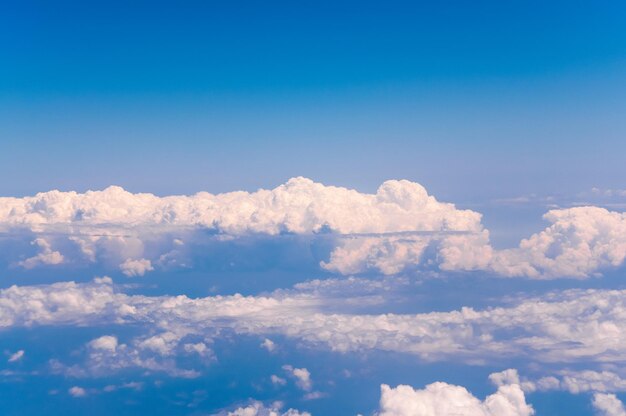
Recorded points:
(299,206)
(258,409)
(106,355)
(77,391)
(269,345)
(46,255)
(106,342)
(301,375)
(115,224)
(163,344)
(199,348)
(589,322)
(608,405)
(16,356)
(396,254)
(582,381)
(136,267)
(580,242)
(511,376)
(442,399)
(62,303)
(505,377)
(278,381)
(386,255)
(399,228)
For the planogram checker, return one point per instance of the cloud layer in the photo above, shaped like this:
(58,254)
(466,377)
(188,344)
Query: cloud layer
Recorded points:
(580,242)
(398,229)
(299,206)
(591,323)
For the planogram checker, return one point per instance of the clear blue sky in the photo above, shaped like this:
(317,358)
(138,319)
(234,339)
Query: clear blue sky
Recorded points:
(472,99)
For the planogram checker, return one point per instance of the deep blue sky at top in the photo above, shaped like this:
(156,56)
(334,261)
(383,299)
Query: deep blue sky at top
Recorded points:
(473,99)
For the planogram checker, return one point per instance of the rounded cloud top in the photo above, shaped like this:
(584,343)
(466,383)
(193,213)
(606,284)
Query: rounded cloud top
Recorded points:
(298,206)
(398,229)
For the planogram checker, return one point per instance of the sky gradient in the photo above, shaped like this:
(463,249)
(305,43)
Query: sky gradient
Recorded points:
(518,97)
(340,208)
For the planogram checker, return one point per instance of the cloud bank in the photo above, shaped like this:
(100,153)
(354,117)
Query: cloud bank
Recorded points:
(299,206)
(579,243)
(398,229)
(590,322)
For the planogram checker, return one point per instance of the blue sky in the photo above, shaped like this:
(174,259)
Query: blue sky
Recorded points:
(518,96)
(117,302)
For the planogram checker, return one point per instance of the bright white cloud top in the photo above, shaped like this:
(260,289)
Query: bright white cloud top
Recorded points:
(608,405)
(398,229)
(442,399)
(299,206)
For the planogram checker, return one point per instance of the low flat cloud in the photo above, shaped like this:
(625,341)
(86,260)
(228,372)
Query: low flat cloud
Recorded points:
(590,322)
(258,409)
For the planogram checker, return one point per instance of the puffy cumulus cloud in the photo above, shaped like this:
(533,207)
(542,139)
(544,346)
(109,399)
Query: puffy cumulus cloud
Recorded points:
(162,344)
(580,242)
(399,228)
(460,251)
(46,255)
(77,391)
(386,255)
(116,225)
(299,206)
(269,345)
(608,405)
(510,377)
(199,348)
(62,303)
(258,409)
(590,323)
(106,355)
(106,343)
(442,399)
(301,375)
(136,267)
